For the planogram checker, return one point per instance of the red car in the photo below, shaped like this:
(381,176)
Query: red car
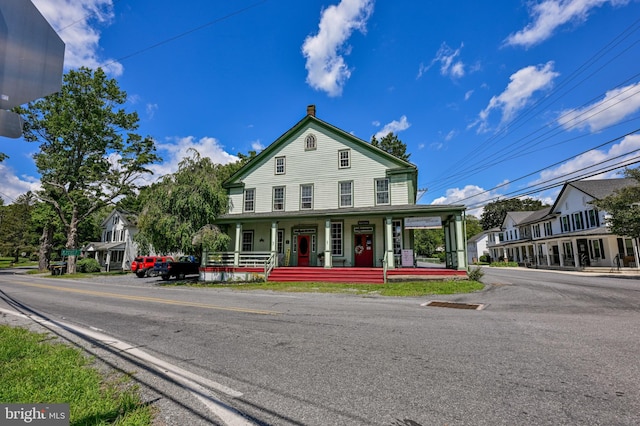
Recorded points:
(142,266)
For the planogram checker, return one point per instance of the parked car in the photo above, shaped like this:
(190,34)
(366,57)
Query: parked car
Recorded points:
(142,266)
(186,265)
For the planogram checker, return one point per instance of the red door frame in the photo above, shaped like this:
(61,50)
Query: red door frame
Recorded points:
(363,250)
(304,249)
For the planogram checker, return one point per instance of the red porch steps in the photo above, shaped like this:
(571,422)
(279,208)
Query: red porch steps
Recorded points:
(360,275)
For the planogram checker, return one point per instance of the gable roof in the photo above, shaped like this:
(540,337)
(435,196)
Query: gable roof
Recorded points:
(309,119)
(597,189)
(128,218)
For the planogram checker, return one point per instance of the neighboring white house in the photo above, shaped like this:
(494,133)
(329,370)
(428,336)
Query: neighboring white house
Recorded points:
(319,196)
(570,234)
(116,250)
(478,245)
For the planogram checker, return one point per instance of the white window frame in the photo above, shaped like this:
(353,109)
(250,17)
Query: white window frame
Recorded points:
(281,202)
(383,192)
(310,142)
(341,194)
(280,165)
(251,200)
(337,238)
(344,158)
(306,202)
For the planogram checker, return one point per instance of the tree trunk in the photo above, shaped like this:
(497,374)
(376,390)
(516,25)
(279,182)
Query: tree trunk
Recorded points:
(44,253)
(72,240)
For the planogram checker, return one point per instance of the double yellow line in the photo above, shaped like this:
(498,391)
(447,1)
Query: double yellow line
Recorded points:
(150,299)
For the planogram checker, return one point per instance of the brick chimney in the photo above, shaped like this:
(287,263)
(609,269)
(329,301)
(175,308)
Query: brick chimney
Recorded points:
(311,110)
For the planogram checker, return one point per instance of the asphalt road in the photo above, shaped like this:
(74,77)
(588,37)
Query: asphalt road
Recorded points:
(547,349)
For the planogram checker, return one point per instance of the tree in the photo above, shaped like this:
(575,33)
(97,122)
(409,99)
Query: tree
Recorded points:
(495,212)
(473,226)
(89,152)
(428,241)
(180,209)
(623,207)
(15,225)
(392,145)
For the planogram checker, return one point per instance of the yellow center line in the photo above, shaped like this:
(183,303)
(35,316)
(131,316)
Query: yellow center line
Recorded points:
(151,299)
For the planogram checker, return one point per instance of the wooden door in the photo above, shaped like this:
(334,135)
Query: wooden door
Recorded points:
(303,250)
(363,251)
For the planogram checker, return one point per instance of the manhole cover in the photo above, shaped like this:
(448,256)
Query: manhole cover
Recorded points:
(455,305)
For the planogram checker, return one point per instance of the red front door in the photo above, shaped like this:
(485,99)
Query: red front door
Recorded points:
(303,250)
(363,251)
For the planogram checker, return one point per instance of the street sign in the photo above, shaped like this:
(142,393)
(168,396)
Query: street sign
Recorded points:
(70,252)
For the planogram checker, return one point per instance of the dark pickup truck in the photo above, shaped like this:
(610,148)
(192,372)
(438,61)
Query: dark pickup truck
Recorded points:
(185,265)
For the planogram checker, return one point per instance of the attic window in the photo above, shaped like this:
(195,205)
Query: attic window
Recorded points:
(310,142)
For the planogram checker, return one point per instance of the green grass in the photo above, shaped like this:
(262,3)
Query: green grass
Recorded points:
(33,369)
(7,262)
(406,289)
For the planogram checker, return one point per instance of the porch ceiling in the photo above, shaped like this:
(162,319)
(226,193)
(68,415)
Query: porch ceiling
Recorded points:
(408,210)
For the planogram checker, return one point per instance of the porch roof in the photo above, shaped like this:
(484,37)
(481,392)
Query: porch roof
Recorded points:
(100,246)
(406,210)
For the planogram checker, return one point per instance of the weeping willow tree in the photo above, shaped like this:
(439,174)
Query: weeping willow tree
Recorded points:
(179,210)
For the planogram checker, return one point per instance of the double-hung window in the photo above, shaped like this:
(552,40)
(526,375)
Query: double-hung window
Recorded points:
(249,200)
(280,165)
(247,240)
(278,198)
(336,238)
(346,194)
(344,158)
(382,191)
(306,197)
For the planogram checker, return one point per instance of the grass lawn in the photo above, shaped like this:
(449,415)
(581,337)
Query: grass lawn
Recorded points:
(35,369)
(7,262)
(407,289)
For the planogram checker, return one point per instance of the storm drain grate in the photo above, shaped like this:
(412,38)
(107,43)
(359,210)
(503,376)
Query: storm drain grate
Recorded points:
(455,305)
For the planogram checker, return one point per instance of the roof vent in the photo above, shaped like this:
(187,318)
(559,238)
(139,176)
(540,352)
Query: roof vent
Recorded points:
(311,110)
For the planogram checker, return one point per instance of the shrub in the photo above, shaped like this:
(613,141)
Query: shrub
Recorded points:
(88,265)
(476,274)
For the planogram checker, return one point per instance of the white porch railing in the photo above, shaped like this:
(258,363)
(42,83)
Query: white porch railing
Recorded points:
(384,267)
(255,259)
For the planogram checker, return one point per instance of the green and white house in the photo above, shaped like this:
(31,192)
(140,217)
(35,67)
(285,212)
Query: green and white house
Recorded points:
(320,197)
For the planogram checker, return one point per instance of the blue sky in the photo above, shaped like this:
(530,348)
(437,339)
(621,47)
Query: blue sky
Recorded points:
(493,99)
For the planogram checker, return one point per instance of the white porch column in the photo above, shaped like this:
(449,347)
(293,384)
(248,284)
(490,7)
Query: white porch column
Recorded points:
(461,244)
(327,244)
(108,260)
(274,240)
(236,253)
(391,261)
(546,247)
(576,256)
(636,251)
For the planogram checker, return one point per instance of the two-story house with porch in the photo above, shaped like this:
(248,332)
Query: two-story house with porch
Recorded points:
(570,234)
(320,197)
(116,250)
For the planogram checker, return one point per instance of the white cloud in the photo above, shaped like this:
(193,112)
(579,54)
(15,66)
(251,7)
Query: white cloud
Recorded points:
(524,83)
(594,160)
(151,110)
(175,150)
(469,195)
(77,23)
(617,104)
(326,67)
(449,64)
(468,94)
(13,186)
(549,15)
(394,127)
(257,146)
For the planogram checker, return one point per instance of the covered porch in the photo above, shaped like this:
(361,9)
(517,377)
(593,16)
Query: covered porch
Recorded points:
(379,237)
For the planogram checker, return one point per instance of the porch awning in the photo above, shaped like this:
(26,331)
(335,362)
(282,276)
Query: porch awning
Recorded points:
(100,246)
(407,210)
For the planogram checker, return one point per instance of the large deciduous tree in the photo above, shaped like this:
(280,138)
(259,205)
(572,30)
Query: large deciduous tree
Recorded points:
(89,152)
(623,207)
(179,211)
(391,144)
(16,232)
(495,212)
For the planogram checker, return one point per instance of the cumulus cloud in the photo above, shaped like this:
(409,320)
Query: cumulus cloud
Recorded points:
(176,149)
(257,146)
(522,86)
(469,195)
(77,23)
(326,67)
(450,65)
(13,185)
(549,15)
(623,153)
(394,127)
(616,105)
